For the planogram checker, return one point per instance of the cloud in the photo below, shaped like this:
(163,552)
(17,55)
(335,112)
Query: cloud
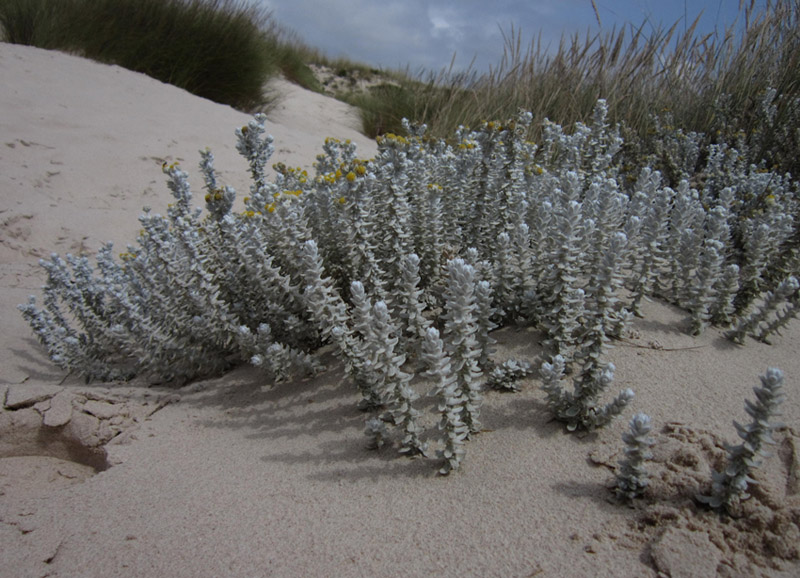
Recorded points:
(427,33)
(390,33)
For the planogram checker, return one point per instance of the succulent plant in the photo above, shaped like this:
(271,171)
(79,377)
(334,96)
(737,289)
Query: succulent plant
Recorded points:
(730,485)
(632,476)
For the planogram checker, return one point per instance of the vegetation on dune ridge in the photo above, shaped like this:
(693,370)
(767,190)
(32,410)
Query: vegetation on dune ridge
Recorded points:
(729,87)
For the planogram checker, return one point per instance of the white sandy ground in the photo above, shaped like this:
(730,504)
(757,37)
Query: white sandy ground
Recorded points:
(234,477)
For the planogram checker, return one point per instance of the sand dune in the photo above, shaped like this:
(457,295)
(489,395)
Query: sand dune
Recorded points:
(236,477)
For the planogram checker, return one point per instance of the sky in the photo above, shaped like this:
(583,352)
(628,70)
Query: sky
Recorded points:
(425,35)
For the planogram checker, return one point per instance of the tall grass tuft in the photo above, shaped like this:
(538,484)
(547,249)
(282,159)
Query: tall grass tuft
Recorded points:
(217,49)
(737,86)
(30,22)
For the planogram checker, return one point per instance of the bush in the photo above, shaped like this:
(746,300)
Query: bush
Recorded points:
(457,236)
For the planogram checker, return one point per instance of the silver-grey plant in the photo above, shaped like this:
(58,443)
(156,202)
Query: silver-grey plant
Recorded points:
(452,400)
(461,338)
(579,408)
(396,391)
(506,376)
(757,321)
(730,485)
(632,476)
(458,234)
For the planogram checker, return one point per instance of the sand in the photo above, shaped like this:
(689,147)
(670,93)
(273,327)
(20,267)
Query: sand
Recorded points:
(235,476)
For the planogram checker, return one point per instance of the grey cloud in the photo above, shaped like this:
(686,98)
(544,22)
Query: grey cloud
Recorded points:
(427,33)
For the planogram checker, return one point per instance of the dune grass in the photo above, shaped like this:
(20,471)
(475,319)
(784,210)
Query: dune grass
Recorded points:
(718,84)
(218,49)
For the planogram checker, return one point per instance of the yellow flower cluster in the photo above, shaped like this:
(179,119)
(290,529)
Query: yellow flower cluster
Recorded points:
(215,195)
(534,170)
(270,207)
(332,177)
(295,193)
(330,139)
(391,138)
(351,173)
(496,126)
(297,172)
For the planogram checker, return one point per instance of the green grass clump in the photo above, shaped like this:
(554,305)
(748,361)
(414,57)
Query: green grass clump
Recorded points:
(740,86)
(30,22)
(383,108)
(217,49)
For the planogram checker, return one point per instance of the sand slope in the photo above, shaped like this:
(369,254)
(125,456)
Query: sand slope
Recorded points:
(234,477)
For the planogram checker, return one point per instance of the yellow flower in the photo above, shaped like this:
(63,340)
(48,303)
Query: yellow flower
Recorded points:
(270,208)
(342,200)
(351,176)
(361,170)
